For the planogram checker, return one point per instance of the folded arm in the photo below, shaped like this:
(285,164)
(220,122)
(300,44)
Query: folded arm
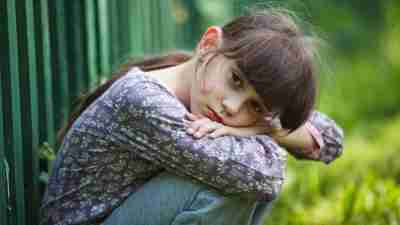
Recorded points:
(320,138)
(152,126)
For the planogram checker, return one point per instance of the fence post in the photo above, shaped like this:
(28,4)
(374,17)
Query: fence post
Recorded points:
(76,45)
(105,33)
(90,13)
(4,185)
(18,170)
(33,180)
(62,61)
(47,72)
(136,36)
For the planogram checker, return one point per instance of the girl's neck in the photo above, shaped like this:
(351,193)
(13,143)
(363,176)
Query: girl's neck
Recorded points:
(178,79)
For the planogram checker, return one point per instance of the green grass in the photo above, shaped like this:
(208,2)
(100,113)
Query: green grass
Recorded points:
(362,187)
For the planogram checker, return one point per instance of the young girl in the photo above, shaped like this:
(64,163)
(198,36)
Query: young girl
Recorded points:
(129,156)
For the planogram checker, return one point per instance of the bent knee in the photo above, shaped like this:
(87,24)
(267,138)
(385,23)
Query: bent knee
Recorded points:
(210,207)
(204,193)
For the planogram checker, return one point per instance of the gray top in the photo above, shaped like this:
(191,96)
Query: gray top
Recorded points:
(134,131)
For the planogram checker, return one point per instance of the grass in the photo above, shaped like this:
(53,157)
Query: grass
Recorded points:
(360,188)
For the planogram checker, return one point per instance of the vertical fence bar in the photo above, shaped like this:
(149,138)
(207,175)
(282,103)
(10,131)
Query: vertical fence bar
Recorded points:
(120,27)
(129,17)
(62,60)
(90,11)
(4,185)
(156,32)
(173,31)
(3,162)
(34,117)
(165,24)
(18,171)
(76,46)
(47,72)
(123,11)
(115,33)
(27,77)
(104,33)
(136,28)
(147,37)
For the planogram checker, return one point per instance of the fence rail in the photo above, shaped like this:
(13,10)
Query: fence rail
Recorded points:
(51,51)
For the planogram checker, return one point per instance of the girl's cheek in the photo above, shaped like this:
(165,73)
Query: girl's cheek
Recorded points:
(207,86)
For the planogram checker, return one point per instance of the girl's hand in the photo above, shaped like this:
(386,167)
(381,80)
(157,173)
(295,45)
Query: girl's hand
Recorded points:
(202,126)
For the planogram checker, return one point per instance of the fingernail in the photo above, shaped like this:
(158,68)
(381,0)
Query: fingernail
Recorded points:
(190,131)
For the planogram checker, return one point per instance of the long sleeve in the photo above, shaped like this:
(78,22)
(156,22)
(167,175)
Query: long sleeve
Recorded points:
(328,137)
(151,125)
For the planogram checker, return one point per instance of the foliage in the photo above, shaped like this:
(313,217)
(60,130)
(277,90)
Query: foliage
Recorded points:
(46,152)
(362,187)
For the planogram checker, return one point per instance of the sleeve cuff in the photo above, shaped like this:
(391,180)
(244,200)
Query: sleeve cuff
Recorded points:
(318,143)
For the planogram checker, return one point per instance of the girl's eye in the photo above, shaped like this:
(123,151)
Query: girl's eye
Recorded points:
(256,107)
(237,81)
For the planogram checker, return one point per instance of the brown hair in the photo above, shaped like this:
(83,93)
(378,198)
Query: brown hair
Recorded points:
(270,51)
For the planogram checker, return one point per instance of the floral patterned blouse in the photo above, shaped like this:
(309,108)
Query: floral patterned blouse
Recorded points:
(135,130)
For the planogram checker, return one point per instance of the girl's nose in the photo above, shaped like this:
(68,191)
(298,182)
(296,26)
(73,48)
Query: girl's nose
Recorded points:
(232,105)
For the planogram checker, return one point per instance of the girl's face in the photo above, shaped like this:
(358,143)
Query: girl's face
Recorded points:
(222,94)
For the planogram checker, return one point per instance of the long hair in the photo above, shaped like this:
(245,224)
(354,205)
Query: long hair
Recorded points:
(270,51)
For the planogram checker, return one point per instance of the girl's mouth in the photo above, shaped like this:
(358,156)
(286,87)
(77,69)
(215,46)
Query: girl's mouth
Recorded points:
(212,115)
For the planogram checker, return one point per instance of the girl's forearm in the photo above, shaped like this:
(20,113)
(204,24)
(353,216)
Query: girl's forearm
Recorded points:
(300,139)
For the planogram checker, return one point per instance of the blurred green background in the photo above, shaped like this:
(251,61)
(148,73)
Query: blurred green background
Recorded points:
(359,89)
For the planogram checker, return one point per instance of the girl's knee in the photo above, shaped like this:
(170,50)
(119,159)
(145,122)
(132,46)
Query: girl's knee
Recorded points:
(201,204)
(210,207)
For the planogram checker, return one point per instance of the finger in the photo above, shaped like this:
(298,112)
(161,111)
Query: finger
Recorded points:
(219,132)
(198,116)
(195,125)
(191,116)
(186,123)
(206,128)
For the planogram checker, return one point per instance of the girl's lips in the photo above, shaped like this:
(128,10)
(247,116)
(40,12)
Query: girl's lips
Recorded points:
(211,114)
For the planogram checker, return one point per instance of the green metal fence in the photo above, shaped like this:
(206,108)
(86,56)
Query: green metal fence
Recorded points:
(51,51)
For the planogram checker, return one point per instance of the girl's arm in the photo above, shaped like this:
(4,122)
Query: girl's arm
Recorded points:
(320,138)
(151,125)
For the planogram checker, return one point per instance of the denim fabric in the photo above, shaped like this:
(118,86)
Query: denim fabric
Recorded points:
(168,199)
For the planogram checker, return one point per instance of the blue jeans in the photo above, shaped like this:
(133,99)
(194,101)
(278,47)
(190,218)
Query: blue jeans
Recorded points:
(172,200)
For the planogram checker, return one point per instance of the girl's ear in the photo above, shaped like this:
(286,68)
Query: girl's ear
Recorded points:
(211,39)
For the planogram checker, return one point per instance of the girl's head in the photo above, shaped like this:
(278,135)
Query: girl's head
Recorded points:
(257,65)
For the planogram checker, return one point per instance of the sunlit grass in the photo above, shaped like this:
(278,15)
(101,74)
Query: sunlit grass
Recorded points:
(362,187)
